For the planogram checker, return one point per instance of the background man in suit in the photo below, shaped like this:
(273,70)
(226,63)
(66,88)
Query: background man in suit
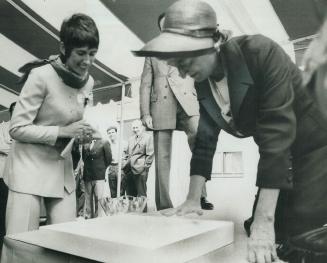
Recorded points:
(5,144)
(139,160)
(248,86)
(97,157)
(167,103)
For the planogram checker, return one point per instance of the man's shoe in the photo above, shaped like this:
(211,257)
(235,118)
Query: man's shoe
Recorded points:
(205,205)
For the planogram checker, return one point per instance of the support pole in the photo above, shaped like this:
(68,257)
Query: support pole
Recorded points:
(120,151)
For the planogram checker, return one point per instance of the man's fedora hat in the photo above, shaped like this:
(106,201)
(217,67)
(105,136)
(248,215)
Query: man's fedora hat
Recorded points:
(190,26)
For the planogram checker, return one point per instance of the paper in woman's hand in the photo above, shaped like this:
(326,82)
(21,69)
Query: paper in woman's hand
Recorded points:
(66,152)
(92,118)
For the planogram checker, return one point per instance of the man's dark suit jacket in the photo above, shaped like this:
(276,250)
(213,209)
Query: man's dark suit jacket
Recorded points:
(262,82)
(96,160)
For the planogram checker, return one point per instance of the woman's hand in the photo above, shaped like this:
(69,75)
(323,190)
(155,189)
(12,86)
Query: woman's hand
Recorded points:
(192,203)
(188,207)
(79,129)
(261,244)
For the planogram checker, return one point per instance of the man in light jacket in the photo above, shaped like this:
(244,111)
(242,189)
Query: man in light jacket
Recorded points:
(139,160)
(167,103)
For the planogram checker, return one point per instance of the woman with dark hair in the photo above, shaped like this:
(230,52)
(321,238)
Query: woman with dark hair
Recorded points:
(48,114)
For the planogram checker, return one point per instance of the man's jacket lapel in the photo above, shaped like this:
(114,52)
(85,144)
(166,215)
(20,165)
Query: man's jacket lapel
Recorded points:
(136,142)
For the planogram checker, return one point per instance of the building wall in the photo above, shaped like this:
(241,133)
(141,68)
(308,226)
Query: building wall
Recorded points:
(232,195)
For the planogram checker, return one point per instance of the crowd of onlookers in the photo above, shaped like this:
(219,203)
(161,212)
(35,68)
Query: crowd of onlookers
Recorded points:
(96,165)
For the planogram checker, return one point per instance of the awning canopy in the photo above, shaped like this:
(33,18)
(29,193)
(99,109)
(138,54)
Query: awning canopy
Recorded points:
(29,30)
(139,16)
(24,36)
(300,18)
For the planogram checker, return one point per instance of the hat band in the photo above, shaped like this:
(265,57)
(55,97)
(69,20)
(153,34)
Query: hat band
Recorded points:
(198,33)
(172,54)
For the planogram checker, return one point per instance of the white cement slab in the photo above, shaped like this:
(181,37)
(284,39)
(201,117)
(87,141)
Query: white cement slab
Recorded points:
(135,238)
